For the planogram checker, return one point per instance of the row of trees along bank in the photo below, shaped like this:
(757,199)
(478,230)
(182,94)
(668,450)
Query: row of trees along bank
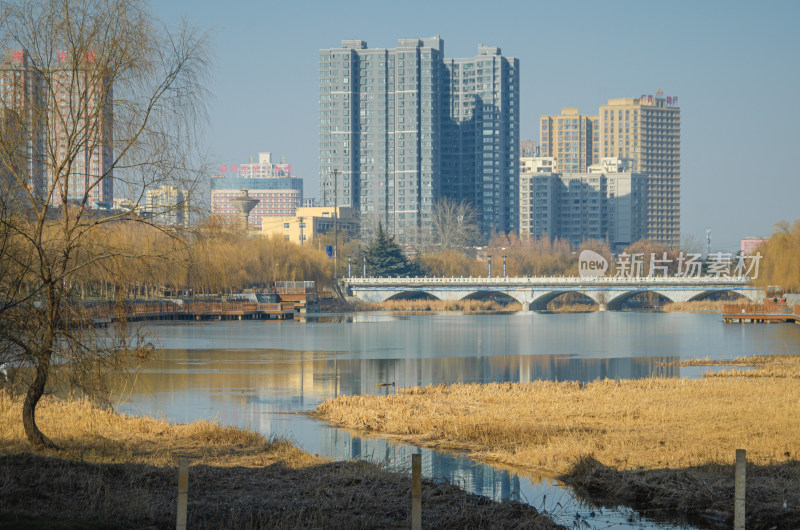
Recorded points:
(104,81)
(780,265)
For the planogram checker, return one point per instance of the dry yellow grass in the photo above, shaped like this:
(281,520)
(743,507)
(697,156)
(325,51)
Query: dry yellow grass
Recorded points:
(445,305)
(698,306)
(572,308)
(87,431)
(629,424)
(119,471)
(768,366)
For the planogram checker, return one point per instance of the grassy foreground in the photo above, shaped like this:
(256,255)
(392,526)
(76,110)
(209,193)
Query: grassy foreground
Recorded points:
(661,444)
(118,471)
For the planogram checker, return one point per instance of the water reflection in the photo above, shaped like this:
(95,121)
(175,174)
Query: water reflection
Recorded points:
(262,374)
(589,335)
(293,381)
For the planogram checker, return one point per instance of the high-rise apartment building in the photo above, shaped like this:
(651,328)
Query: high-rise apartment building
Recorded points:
(403,127)
(570,138)
(66,110)
(23,122)
(278,191)
(480,137)
(539,194)
(647,132)
(168,206)
(607,203)
(528,148)
(80,120)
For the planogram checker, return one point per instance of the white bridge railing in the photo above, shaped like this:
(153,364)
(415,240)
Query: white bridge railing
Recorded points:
(704,281)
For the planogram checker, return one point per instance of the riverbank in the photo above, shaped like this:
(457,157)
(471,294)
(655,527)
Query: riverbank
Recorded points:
(120,471)
(663,444)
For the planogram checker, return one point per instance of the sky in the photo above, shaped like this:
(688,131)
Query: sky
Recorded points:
(732,64)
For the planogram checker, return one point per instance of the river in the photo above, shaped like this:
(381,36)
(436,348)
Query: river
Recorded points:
(260,374)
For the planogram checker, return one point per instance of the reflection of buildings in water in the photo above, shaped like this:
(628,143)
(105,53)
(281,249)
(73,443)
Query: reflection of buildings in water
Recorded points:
(247,387)
(472,476)
(362,376)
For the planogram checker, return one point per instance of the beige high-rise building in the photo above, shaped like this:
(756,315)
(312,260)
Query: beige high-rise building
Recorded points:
(570,138)
(168,206)
(66,107)
(647,132)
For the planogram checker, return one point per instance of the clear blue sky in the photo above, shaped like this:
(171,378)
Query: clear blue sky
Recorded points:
(733,65)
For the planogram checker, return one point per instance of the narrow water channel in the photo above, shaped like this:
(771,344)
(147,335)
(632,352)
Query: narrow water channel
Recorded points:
(262,374)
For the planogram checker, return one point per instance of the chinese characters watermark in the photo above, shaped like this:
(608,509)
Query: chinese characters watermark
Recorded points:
(686,265)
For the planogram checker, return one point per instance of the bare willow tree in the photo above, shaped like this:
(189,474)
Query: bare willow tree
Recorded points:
(454,225)
(97,96)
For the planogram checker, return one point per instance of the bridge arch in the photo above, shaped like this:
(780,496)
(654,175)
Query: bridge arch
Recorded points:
(707,294)
(616,303)
(412,295)
(540,303)
(490,294)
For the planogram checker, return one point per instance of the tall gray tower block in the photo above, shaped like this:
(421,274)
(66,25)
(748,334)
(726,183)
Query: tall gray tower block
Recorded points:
(404,128)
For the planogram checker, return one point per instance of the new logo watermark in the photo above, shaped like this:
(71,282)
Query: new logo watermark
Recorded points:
(716,265)
(591,264)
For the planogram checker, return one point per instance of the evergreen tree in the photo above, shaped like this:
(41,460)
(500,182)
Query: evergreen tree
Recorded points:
(385,258)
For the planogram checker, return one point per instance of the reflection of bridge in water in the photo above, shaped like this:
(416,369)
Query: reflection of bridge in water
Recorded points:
(535,293)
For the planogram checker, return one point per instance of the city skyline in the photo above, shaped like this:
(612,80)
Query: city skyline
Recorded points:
(730,65)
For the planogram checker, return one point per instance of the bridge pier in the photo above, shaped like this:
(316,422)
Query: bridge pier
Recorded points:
(526,306)
(602,306)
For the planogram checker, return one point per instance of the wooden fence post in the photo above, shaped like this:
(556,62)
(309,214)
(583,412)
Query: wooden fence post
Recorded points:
(416,492)
(183,492)
(739,489)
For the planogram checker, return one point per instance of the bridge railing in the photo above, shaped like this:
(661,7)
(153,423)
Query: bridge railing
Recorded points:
(560,280)
(766,308)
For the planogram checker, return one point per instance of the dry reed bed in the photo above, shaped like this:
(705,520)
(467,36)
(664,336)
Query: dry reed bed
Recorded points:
(572,308)
(625,426)
(697,306)
(119,471)
(446,305)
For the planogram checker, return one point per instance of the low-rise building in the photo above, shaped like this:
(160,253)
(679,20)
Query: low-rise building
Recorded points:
(750,244)
(310,222)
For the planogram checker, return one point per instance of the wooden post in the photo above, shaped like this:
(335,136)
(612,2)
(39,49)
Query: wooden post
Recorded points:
(416,492)
(183,492)
(739,489)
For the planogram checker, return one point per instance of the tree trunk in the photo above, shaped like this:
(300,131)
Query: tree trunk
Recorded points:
(35,392)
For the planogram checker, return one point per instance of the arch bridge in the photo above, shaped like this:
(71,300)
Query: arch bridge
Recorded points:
(534,293)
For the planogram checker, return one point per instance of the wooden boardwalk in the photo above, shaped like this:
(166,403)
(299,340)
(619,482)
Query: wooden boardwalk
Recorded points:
(764,313)
(169,310)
